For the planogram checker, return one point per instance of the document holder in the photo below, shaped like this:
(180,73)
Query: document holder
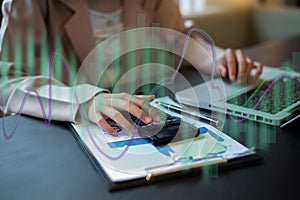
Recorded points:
(114,186)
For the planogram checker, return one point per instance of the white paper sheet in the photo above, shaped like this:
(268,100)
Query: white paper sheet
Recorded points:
(134,161)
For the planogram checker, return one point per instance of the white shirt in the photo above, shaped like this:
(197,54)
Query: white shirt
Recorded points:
(106,24)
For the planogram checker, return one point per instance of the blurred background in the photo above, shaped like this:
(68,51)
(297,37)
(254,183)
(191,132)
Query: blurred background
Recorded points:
(242,23)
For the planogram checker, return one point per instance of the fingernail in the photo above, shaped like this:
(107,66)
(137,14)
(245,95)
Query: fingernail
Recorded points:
(148,119)
(114,133)
(157,119)
(140,96)
(223,72)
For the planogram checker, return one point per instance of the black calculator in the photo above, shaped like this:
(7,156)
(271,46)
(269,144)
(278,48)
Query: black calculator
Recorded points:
(169,129)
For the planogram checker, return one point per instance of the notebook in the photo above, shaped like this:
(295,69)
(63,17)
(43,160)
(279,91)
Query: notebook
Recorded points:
(131,159)
(273,99)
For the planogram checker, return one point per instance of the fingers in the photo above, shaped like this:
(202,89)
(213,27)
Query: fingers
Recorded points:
(153,114)
(259,68)
(136,111)
(106,127)
(237,66)
(141,100)
(118,117)
(242,67)
(222,70)
(254,64)
(109,105)
(98,119)
(250,65)
(151,110)
(231,63)
(138,105)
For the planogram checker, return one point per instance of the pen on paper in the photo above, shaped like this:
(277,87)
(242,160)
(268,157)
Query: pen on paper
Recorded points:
(191,163)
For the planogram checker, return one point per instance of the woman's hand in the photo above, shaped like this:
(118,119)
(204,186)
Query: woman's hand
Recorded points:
(237,66)
(105,105)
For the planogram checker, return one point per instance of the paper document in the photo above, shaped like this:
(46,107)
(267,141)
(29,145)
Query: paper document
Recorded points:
(128,156)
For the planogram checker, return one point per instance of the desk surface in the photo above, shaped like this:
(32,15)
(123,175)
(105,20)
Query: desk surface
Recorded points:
(42,162)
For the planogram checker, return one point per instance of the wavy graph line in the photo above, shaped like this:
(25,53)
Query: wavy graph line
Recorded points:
(42,107)
(232,117)
(166,81)
(268,75)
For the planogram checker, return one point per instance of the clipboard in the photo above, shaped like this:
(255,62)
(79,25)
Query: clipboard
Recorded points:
(238,162)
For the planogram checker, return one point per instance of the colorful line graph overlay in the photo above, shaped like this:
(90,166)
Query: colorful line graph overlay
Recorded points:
(163,82)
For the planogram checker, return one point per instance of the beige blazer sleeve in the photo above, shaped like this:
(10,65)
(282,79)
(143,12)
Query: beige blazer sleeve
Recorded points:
(22,79)
(24,88)
(35,96)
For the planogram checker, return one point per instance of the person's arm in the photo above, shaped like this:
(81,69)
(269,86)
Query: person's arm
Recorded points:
(233,64)
(26,89)
(42,97)
(23,87)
